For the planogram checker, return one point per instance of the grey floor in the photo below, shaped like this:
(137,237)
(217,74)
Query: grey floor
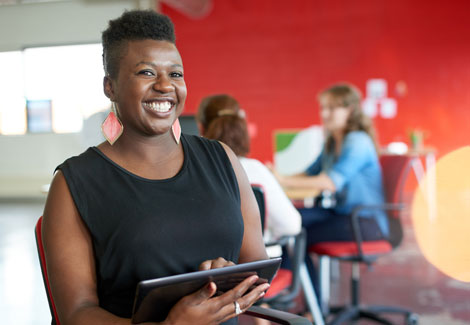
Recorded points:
(22,296)
(404,277)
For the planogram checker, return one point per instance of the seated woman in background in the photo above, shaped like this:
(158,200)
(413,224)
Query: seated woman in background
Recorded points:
(221,118)
(348,166)
(151,202)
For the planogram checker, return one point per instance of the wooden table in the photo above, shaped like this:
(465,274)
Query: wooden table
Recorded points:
(302,197)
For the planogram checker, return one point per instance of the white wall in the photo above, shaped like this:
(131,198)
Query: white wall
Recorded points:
(57,23)
(28,161)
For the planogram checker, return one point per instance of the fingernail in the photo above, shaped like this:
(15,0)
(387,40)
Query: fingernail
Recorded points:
(209,286)
(261,295)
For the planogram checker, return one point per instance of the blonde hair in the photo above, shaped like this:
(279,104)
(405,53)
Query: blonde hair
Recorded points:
(347,95)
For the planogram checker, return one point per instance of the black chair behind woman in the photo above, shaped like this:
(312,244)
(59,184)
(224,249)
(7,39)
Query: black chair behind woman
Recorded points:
(287,283)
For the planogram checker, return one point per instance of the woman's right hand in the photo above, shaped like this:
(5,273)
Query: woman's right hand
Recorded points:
(202,307)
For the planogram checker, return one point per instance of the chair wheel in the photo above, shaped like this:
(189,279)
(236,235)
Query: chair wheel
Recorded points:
(412,319)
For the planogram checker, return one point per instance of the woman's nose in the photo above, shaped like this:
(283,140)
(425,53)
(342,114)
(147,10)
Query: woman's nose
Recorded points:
(163,84)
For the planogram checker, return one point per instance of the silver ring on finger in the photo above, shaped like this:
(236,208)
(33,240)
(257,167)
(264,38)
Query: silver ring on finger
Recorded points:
(238,310)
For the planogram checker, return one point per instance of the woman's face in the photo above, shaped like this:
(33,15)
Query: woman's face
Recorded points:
(149,90)
(334,117)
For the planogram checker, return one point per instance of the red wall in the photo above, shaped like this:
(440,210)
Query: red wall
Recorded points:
(275,56)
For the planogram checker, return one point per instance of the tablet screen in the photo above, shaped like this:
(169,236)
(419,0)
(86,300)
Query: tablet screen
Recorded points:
(154,298)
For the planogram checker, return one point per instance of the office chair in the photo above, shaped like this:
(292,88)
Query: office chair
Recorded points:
(287,283)
(395,170)
(276,316)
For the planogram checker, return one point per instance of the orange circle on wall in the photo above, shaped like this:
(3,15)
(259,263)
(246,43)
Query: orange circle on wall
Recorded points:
(441,214)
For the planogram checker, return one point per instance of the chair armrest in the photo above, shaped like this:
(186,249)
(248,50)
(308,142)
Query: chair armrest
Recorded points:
(384,207)
(296,248)
(282,241)
(277,316)
(355,220)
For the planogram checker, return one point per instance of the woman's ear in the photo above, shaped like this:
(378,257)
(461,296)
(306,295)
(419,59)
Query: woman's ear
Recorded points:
(108,88)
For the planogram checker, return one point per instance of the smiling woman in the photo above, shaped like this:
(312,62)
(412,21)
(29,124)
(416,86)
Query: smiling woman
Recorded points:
(150,76)
(114,213)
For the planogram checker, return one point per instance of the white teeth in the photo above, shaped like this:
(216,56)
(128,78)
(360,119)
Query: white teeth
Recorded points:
(161,107)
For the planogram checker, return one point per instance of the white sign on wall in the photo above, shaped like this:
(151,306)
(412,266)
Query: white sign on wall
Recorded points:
(376,102)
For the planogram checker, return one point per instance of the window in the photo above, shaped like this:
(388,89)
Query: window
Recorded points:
(39,116)
(66,81)
(12,101)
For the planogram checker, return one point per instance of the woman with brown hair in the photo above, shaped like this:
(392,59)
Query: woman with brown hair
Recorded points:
(348,167)
(220,118)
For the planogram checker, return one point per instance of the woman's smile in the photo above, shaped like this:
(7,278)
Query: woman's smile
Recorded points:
(159,105)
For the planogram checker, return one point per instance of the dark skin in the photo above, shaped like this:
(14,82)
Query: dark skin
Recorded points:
(149,72)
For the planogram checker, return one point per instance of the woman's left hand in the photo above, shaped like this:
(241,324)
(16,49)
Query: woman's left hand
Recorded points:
(215,264)
(202,307)
(280,178)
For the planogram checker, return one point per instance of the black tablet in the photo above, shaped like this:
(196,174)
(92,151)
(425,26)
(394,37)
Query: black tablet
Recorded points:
(154,298)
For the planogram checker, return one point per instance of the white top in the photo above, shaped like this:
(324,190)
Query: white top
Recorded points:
(282,217)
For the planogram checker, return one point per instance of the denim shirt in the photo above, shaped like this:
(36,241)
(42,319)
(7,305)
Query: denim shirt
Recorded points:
(356,174)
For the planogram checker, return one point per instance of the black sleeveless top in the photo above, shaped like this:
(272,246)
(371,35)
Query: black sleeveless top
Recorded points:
(143,229)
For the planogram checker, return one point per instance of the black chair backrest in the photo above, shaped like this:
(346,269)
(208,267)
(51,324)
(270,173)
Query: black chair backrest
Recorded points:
(259,195)
(296,254)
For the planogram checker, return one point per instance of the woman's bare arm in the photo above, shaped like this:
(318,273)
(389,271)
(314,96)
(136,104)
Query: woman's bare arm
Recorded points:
(321,181)
(70,260)
(253,248)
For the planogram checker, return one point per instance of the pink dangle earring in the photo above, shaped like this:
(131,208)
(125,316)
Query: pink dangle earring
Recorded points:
(112,127)
(176,130)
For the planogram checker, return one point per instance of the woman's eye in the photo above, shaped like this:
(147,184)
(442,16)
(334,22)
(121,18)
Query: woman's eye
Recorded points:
(176,75)
(147,73)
